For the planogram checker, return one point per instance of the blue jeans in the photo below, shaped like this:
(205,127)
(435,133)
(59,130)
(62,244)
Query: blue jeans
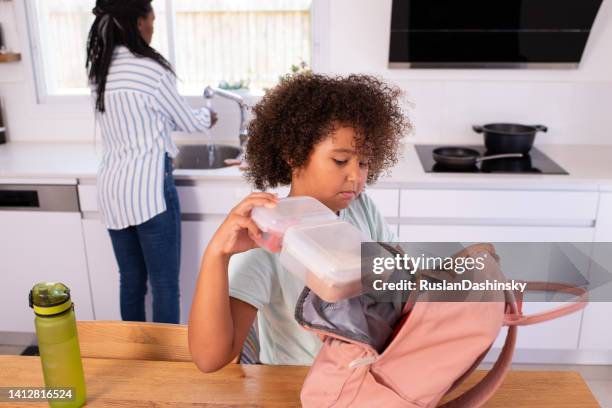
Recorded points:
(151,249)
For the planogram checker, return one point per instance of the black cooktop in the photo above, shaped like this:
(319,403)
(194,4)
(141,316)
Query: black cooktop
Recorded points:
(535,162)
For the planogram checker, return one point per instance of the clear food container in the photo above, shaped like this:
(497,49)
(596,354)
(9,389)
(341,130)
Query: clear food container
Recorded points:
(327,257)
(291,211)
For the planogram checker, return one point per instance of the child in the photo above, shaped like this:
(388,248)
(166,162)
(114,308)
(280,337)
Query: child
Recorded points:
(326,137)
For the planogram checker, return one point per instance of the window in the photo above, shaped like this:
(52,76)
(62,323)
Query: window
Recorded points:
(61,31)
(239,40)
(207,41)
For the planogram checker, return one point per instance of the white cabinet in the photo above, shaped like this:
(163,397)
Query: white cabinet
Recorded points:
(386,200)
(596,328)
(506,216)
(417,215)
(562,333)
(215,199)
(104,272)
(211,197)
(511,206)
(195,237)
(38,246)
(485,233)
(496,215)
(603,230)
(205,198)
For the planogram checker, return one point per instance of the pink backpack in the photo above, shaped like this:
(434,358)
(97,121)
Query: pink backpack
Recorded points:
(434,346)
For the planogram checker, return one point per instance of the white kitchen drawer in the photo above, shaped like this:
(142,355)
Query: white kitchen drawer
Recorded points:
(205,198)
(386,200)
(88,198)
(485,233)
(211,198)
(561,206)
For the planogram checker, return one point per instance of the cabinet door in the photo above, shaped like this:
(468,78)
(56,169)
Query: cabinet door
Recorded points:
(103,270)
(562,333)
(195,238)
(386,200)
(596,328)
(36,247)
(603,228)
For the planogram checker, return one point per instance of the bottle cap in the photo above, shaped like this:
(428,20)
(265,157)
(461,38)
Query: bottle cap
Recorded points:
(50,298)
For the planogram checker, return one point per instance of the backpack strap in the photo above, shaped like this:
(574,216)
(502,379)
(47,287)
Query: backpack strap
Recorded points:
(518,319)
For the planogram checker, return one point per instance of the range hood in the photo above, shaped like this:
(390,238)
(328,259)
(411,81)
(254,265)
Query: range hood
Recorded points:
(490,33)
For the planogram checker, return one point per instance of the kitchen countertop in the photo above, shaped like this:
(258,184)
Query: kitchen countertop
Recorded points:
(589,167)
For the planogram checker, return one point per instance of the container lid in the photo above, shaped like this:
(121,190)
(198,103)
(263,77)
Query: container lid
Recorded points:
(332,251)
(291,211)
(50,298)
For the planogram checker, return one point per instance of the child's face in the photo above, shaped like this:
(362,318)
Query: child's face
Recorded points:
(334,173)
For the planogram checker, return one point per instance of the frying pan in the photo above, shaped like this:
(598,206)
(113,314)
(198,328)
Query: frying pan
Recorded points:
(461,157)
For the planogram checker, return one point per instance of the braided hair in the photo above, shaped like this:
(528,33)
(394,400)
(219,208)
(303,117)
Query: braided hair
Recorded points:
(116,24)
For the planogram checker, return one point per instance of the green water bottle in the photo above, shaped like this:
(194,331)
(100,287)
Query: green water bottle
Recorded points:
(58,343)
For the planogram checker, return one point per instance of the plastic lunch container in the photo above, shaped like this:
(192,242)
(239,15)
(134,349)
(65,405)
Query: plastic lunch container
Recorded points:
(327,257)
(291,211)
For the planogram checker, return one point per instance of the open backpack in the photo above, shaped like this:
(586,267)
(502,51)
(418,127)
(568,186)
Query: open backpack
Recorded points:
(413,352)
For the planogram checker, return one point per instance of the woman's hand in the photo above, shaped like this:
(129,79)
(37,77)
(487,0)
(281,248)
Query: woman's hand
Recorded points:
(238,230)
(213,117)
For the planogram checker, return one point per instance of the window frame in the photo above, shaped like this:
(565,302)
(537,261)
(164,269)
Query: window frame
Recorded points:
(320,29)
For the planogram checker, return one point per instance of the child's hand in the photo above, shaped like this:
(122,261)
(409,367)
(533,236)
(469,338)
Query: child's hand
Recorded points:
(238,230)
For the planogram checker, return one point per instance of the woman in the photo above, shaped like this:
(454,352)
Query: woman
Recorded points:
(137,106)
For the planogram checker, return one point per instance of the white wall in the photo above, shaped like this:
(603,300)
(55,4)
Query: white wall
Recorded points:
(574,104)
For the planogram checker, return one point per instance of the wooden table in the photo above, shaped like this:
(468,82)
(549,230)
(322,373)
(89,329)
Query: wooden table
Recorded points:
(135,383)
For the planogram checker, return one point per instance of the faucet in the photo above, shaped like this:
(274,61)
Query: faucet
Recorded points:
(209,92)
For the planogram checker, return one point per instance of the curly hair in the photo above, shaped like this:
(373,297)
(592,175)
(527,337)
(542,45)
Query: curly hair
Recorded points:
(303,109)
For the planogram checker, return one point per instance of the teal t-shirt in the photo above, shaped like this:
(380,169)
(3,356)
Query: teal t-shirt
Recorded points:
(257,277)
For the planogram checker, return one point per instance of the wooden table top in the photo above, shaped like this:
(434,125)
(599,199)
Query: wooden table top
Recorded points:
(136,383)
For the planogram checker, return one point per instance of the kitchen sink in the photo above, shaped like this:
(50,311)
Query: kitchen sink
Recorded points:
(205,156)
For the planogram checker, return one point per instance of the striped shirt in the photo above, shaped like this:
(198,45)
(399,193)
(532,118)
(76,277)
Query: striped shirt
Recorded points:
(142,108)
